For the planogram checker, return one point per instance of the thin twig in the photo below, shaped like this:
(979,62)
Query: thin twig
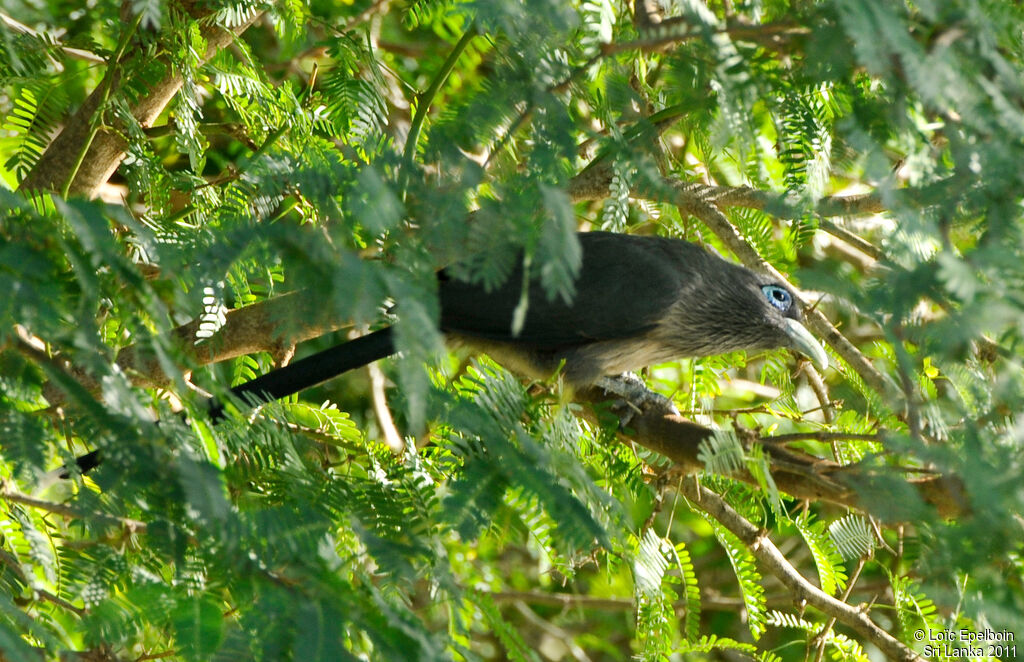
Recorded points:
(821,636)
(8,494)
(761,546)
(819,436)
(913,414)
(820,390)
(854,240)
(425,100)
(11,562)
(385,421)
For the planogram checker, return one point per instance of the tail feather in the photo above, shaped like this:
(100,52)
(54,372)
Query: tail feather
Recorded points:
(312,370)
(302,374)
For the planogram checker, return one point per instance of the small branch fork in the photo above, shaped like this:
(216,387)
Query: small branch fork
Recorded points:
(797,474)
(761,546)
(83,157)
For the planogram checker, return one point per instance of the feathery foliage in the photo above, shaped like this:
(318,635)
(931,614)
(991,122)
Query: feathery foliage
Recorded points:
(191,189)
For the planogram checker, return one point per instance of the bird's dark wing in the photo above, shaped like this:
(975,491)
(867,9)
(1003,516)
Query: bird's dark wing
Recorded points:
(625,285)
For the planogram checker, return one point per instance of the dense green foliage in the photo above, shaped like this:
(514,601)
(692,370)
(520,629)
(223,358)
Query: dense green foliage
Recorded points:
(347,151)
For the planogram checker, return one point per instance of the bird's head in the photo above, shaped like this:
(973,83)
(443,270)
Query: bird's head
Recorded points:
(725,307)
(783,313)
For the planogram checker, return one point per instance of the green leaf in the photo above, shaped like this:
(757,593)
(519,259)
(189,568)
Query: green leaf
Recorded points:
(198,625)
(827,559)
(203,486)
(852,536)
(377,207)
(745,569)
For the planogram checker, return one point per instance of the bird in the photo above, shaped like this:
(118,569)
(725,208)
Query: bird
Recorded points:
(639,300)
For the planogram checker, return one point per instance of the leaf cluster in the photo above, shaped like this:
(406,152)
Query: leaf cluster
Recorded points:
(347,151)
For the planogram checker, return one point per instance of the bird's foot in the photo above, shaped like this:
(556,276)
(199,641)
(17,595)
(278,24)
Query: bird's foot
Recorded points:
(634,397)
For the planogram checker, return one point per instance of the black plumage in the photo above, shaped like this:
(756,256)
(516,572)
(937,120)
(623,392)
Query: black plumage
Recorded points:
(638,301)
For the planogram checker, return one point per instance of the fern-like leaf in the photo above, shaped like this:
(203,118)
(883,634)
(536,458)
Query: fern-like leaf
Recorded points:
(710,643)
(721,453)
(34,119)
(654,597)
(842,647)
(691,593)
(745,568)
(827,559)
(512,642)
(852,537)
(616,206)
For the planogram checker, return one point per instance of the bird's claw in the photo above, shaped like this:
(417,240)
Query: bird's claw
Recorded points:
(634,397)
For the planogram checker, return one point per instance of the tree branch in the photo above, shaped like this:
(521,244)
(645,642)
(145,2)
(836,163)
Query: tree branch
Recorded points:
(13,496)
(106,149)
(795,473)
(265,326)
(761,546)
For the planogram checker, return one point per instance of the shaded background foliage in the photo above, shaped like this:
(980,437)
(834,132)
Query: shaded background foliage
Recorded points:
(349,150)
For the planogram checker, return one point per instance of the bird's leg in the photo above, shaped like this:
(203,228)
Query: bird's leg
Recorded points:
(635,396)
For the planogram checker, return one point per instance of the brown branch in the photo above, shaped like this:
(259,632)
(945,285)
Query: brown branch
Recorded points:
(13,496)
(376,8)
(658,33)
(780,207)
(761,546)
(795,473)
(107,148)
(862,245)
(156,656)
(709,601)
(392,438)
(269,325)
(9,560)
(820,436)
(820,388)
(591,184)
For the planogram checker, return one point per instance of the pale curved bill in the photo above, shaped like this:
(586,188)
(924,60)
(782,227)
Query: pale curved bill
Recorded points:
(806,344)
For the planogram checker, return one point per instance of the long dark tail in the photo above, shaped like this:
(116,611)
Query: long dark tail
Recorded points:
(312,370)
(292,378)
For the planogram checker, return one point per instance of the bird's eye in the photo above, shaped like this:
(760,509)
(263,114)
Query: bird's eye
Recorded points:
(778,296)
